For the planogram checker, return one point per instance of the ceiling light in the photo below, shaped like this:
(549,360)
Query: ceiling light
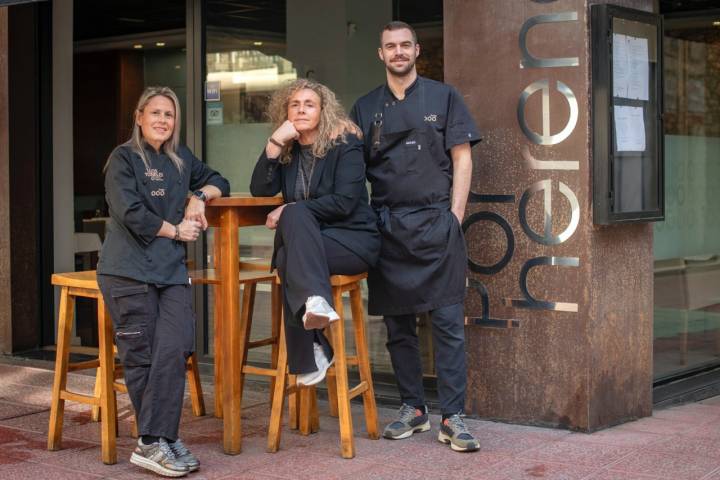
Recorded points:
(159,44)
(137,45)
(258,44)
(716,23)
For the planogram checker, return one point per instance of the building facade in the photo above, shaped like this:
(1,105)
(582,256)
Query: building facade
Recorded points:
(576,339)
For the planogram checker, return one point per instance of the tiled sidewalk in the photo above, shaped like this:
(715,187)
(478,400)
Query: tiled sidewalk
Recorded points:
(678,443)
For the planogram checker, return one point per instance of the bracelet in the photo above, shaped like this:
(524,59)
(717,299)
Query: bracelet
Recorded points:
(275,142)
(177,232)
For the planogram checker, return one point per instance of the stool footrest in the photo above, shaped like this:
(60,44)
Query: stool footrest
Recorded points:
(80,398)
(263,342)
(86,365)
(358,389)
(266,372)
(120,387)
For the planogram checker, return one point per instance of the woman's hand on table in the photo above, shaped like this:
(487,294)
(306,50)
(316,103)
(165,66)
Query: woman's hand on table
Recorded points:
(195,210)
(273,218)
(188,230)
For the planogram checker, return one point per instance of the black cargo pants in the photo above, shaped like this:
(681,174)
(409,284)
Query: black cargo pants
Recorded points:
(154,328)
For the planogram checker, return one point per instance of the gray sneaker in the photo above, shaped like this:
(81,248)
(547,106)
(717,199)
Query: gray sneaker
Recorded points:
(454,432)
(183,454)
(409,421)
(159,458)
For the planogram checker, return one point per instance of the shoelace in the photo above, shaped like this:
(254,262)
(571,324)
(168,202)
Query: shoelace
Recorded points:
(165,448)
(457,424)
(406,413)
(179,448)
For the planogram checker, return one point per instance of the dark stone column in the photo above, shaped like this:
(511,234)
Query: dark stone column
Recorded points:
(5,298)
(559,310)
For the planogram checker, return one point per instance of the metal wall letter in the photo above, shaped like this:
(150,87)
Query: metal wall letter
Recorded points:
(529,61)
(531,302)
(547,138)
(510,238)
(534,164)
(548,238)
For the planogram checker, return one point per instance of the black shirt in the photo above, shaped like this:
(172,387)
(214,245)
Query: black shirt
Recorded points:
(139,201)
(426,103)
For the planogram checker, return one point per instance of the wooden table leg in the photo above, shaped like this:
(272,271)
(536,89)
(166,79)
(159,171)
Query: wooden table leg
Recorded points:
(232,352)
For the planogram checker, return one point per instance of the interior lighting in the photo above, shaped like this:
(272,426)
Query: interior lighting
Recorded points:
(258,44)
(137,46)
(159,44)
(716,23)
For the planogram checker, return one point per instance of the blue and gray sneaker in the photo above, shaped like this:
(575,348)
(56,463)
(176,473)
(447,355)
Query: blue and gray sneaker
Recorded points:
(454,432)
(183,455)
(409,421)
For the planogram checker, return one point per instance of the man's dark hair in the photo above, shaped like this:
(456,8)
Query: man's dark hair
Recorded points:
(398,25)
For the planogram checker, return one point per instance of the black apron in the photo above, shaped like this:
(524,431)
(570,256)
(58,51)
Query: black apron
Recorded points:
(423,256)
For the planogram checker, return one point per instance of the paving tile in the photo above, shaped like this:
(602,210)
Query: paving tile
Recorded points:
(590,455)
(616,475)
(616,436)
(308,465)
(10,410)
(517,469)
(90,461)
(682,445)
(30,446)
(664,465)
(658,425)
(699,414)
(34,471)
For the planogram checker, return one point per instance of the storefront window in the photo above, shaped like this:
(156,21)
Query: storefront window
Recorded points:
(251,53)
(687,243)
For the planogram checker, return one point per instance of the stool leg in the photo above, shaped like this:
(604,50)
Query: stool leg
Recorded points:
(331,382)
(275,320)
(246,314)
(62,357)
(361,348)
(347,445)
(305,411)
(196,393)
(278,394)
(218,319)
(293,405)
(108,405)
(95,413)
(314,414)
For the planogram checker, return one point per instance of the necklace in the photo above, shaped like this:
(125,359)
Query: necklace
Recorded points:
(305,177)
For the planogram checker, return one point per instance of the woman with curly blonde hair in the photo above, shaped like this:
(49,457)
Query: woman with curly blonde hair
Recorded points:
(315,158)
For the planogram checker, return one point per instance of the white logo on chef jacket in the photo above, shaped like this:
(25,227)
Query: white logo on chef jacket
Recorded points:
(160,192)
(155,175)
(431,118)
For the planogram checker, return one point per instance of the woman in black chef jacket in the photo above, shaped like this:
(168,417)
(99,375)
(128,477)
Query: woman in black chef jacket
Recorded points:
(326,226)
(142,273)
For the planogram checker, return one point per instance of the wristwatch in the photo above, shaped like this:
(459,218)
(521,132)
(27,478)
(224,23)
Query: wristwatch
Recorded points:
(201,195)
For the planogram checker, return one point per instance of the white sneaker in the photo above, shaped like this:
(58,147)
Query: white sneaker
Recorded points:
(322,363)
(318,314)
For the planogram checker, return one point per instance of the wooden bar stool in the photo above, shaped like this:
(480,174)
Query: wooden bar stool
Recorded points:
(251,274)
(303,400)
(84,284)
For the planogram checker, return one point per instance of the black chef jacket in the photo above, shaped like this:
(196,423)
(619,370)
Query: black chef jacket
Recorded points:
(139,201)
(407,150)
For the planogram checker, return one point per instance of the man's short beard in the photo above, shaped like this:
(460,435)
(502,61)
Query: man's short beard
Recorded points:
(405,72)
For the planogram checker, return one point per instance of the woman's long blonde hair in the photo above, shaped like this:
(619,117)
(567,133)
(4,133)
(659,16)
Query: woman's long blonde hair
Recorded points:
(334,123)
(170,147)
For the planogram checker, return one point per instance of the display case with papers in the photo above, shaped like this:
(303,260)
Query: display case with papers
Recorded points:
(627,132)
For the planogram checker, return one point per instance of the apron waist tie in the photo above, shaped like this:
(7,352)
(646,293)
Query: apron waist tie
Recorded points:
(384,212)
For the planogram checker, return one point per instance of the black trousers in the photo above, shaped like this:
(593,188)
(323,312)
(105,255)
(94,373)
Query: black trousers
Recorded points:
(305,259)
(155,334)
(448,333)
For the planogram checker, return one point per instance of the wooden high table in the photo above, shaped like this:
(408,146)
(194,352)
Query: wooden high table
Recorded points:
(228,214)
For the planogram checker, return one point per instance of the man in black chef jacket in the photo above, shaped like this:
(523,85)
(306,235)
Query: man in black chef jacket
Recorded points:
(418,134)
